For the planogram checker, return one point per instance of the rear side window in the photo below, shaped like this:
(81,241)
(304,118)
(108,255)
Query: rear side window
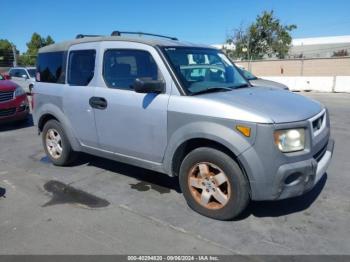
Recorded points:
(81,67)
(122,66)
(51,67)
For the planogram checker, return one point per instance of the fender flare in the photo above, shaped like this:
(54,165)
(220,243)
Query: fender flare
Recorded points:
(53,110)
(223,135)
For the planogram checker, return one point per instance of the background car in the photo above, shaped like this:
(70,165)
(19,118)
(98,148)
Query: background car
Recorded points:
(24,77)
(5,76)
(256,81)
(14,105)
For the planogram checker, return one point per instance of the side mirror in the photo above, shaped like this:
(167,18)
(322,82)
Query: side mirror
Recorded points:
(7,77)
(25,76)
(147,85)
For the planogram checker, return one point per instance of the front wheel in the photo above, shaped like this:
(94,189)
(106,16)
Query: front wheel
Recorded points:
(213,184)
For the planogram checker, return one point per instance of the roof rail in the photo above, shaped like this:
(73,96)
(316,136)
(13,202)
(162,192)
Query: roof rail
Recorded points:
(119,33)
(82,36)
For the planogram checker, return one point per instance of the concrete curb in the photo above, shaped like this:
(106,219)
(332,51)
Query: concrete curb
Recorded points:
(314,83)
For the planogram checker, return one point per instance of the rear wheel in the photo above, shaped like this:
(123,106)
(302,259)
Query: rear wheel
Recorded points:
(213,184)
(56,144)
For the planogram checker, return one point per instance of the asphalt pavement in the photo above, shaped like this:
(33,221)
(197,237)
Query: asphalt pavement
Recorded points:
(98,206)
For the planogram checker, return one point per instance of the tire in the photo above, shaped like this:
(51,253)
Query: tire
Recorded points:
(221,197)
(54,133)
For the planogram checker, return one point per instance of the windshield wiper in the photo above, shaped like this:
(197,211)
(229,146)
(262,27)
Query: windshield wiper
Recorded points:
(212,90)
(241,86)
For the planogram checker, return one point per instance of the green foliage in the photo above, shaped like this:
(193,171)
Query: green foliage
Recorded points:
(5,45)
(266,37)
(343,52)
(49,40)
(36,42)
(6,53)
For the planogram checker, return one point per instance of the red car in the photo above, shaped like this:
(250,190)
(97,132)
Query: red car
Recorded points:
(14,105)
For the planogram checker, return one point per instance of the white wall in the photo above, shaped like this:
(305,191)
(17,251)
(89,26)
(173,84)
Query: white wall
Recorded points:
(342,84)
(314,83)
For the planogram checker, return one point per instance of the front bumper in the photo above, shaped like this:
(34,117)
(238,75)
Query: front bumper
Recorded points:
(14,110)
(305,174)
(274,175)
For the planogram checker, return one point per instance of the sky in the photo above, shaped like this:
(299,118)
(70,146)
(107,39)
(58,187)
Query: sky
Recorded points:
(200,21)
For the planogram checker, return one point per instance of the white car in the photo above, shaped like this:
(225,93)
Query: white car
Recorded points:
(24,77)
(256,81)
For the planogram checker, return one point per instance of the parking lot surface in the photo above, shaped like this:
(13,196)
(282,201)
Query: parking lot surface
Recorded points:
(99,206)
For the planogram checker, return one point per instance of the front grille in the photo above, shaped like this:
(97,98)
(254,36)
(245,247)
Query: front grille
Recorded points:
(320,153)
(7,112)
(6,96)
(317,124)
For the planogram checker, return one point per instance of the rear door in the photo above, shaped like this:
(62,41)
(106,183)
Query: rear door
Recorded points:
(79,89)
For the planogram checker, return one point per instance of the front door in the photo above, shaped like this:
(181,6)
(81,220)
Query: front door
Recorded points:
(132,124)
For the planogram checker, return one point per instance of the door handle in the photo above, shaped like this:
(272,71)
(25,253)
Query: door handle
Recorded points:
(98,102)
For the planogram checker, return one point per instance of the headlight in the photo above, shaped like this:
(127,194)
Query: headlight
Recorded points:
(19,91)
(290,140)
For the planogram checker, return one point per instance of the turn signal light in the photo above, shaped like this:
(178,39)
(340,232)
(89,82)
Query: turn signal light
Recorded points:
(243,130)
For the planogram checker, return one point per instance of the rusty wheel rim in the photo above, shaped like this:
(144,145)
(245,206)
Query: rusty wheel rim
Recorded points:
(209,185)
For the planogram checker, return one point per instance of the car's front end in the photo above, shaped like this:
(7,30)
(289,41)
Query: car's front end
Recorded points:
(287,136)
(256,81)
(14,105)
(288,159)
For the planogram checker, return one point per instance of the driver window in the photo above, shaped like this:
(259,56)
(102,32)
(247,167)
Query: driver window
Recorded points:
(121,67)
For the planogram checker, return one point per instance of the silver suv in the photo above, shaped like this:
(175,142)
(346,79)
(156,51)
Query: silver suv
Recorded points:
(183,110)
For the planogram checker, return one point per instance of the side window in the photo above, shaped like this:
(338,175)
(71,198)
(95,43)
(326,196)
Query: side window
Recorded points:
(51,67)
(122,66)
(81,67)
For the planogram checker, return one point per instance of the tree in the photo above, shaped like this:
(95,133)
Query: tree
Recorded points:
(6,53)
(36,42)
(343,52)
(49,40)
(266,37)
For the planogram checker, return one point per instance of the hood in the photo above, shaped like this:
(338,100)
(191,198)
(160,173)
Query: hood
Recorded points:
(277,105)
(7,85)
(268,83)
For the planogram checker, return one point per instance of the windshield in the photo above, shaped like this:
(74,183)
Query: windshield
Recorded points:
(31,72)
(201,69)
(1,77)
(248,75)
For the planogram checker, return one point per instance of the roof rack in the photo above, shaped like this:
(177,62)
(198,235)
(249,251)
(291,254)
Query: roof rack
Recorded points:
(119,33)
(82,36)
